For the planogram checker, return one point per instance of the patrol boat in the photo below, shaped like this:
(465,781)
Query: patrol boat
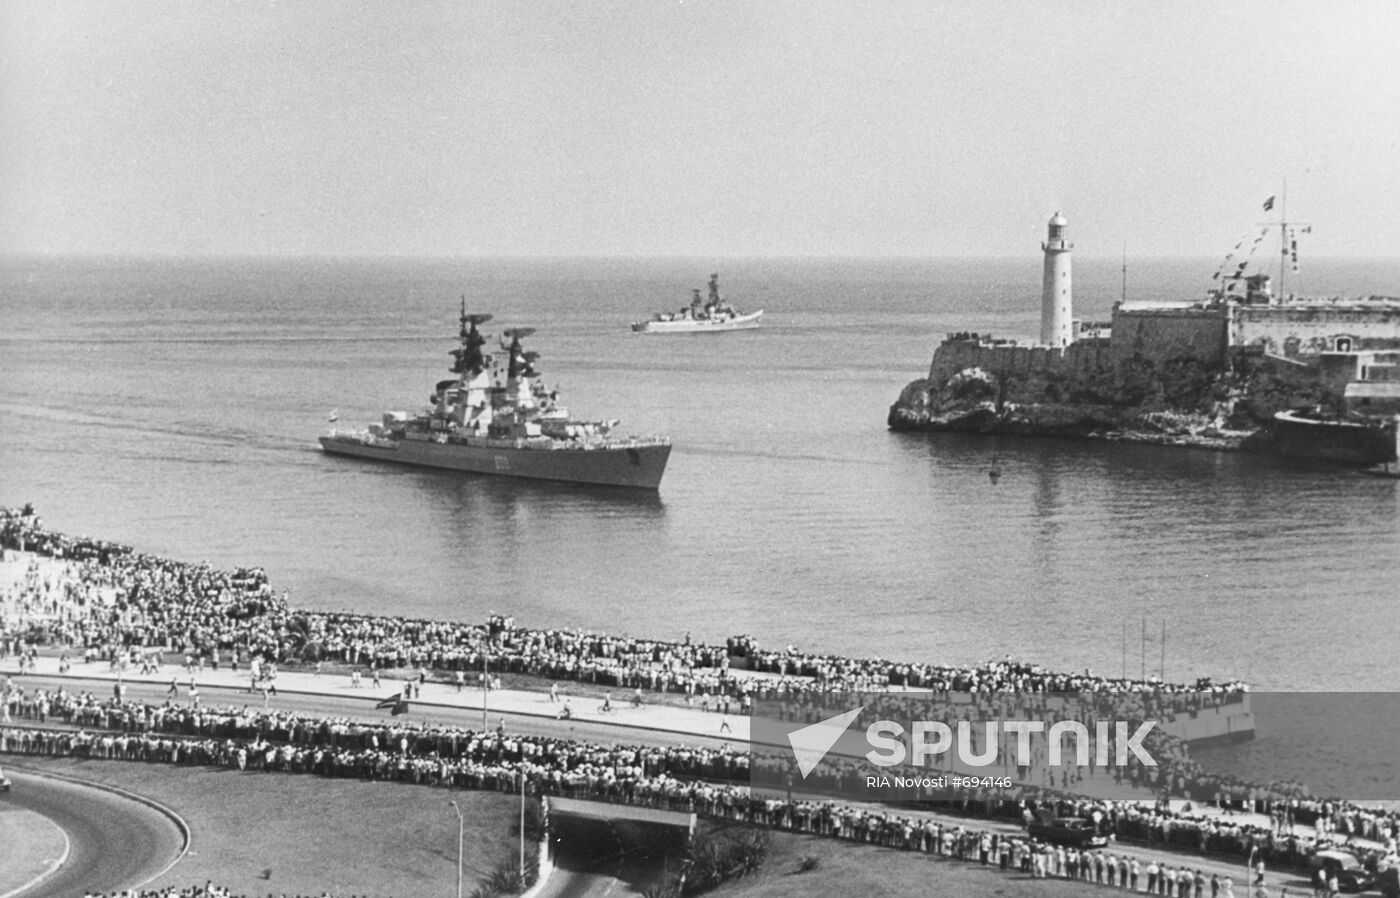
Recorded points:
(708,317)
(495,418)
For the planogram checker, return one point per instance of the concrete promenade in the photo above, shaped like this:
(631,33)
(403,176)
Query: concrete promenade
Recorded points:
(584,702)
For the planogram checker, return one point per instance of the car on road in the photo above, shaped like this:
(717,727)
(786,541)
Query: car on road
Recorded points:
(1075,832)
(1351,876)
(4,782)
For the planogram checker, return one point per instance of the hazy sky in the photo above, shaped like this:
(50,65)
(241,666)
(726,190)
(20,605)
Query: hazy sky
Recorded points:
(705,127)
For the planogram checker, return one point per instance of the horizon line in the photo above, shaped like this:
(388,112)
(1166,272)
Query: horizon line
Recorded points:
(585,257)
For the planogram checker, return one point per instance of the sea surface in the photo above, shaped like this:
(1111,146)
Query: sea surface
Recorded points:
(174,405)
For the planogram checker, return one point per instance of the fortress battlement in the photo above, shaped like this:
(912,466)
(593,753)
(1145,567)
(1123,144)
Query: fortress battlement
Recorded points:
(1207,336)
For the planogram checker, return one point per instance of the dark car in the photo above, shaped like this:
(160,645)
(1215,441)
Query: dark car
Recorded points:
(1351,875)
(1075,832)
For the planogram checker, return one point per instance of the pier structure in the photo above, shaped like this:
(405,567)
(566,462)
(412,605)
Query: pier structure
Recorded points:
(1056,293)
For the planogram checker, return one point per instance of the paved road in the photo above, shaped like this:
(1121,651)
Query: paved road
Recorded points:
(566,883)
(592,866)
(116,842)
(359,704)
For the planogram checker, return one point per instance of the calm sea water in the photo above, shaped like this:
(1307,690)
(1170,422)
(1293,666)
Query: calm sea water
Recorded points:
(174,405)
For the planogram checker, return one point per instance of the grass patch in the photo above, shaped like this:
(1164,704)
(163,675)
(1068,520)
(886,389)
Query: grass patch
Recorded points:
(268,833)
(843,869)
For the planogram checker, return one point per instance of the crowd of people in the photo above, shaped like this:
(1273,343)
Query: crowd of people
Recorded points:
(115,604)
(709,781)
(131,730)
(115,598)
(611,781)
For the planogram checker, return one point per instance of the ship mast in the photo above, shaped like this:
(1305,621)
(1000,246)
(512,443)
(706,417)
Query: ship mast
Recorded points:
(1288,246)
(1282,239)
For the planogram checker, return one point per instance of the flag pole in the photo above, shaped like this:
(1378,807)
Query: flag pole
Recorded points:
(1144,647)
(1124,298)
(1164,650)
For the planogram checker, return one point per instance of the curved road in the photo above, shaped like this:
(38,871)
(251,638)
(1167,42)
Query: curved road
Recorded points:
(116,842)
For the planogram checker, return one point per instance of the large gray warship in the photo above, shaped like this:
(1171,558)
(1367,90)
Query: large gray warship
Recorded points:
(500,419)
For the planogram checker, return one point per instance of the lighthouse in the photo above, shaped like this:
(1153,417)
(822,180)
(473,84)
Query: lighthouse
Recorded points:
(1055,292)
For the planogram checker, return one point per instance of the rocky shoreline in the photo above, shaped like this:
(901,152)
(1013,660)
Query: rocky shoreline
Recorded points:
(1178,404)
(924,406)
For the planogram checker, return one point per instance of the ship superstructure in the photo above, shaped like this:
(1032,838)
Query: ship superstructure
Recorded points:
(496,416)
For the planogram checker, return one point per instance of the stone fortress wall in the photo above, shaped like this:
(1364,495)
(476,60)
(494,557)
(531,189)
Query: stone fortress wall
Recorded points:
(1302,331)
(1307,349)
(1308,329)
(1158,335)
(1151,335)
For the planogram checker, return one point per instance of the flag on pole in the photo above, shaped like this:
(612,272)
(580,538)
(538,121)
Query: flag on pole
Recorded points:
(1268,204)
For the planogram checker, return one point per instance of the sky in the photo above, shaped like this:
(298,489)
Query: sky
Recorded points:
(696,128)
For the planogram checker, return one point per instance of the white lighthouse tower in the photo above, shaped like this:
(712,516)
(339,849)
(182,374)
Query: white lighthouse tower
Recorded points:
(1055,293)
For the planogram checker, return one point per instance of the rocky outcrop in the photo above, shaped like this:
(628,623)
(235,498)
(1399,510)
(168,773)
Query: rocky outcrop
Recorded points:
(1175,403)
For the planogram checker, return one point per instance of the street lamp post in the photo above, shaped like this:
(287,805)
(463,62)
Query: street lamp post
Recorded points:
(461,825)
(485,690)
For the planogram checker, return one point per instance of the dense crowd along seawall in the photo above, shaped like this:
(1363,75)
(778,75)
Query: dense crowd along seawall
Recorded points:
(120,605)
(117,603)
(236,614)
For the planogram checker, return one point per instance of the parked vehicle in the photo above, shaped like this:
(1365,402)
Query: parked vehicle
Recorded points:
(1351,875)
(1075,832)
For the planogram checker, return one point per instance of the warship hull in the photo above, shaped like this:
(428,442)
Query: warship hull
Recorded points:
(637,465)
(698,325)
(1297,434)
